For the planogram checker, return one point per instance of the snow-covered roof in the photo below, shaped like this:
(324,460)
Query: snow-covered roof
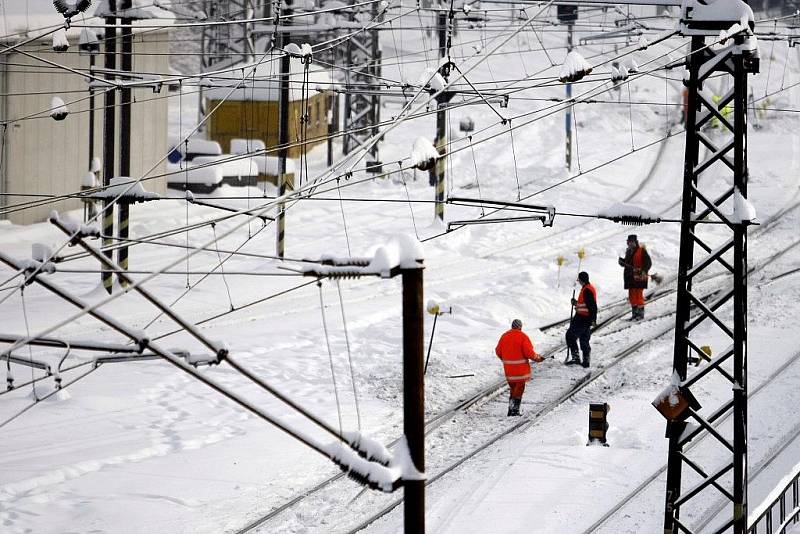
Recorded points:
(36,17)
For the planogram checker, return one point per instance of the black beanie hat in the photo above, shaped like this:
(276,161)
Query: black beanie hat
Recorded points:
(633,237)
(583,276)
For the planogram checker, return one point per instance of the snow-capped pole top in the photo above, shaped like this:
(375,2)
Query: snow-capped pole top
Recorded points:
(743,210)
(58,109)
(303,51)
(575,67)
(60,41)
(423,154)
(700,18)
(431,78)
(401,252)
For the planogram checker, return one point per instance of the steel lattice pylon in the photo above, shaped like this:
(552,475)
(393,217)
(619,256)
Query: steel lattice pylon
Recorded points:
(718,123)
(361,103)
(230,44)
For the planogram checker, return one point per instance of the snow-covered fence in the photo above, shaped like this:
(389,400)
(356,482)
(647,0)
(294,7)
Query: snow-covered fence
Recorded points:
(780,509)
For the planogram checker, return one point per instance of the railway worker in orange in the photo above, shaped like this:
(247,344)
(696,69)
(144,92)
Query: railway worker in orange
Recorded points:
(515,349)
(636,264)
(580,326)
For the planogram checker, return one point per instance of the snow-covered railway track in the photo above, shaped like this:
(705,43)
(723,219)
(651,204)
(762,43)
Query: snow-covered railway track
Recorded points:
(789,438)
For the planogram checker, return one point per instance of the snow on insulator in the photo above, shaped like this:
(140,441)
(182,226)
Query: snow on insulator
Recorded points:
(743,209)
(632,66)
(368,447)
(127,188)
(575,67)
(402,251)
(431,77)
(734,30)
(60,41)
(423,154)
(303,50)
(96,165)
(619,74)
(627,214)
(643,42)
(384,5)
(58,109)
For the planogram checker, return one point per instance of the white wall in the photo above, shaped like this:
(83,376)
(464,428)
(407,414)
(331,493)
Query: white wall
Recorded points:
(45,156)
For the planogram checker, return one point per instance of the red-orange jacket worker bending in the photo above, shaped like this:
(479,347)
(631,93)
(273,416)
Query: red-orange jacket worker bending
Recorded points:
(515,349)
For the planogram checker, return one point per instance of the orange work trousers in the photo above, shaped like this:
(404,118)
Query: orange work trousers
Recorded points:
(636,297)
(517,389)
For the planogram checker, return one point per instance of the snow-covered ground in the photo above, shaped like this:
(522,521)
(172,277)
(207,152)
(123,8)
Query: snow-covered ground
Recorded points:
(141,447)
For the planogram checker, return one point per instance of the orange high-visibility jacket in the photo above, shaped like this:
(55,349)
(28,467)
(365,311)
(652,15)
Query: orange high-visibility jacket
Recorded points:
(581,308)
(515,349)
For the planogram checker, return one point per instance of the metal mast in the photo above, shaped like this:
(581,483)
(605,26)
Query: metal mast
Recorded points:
(230,44)
(703,248)
(363,70)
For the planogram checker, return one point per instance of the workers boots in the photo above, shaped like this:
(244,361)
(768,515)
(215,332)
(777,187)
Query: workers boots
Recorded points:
(585,362)
(640,312)
(513,407)
(574,359)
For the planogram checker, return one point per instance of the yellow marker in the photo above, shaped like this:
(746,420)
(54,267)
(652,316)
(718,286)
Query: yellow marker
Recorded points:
(707,350)
(561,260)
(581,253)
(433,309)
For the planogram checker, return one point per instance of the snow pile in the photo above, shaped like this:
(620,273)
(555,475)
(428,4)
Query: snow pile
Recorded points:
(724,35)
(632,66)
(229,167)
(96,165)
(247,146)
(423,154)
(60,41)
(267,165)
(58,110)
(575,67)
(88,39)
(126,188)
(743,209)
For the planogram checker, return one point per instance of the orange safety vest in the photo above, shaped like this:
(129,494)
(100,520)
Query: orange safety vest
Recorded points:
(638,274)
(580,307)
(515,349)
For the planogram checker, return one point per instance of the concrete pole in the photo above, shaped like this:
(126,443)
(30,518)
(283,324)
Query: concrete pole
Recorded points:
(123,211)
(568,120)
(414,396)
(109,131)
(283,133)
